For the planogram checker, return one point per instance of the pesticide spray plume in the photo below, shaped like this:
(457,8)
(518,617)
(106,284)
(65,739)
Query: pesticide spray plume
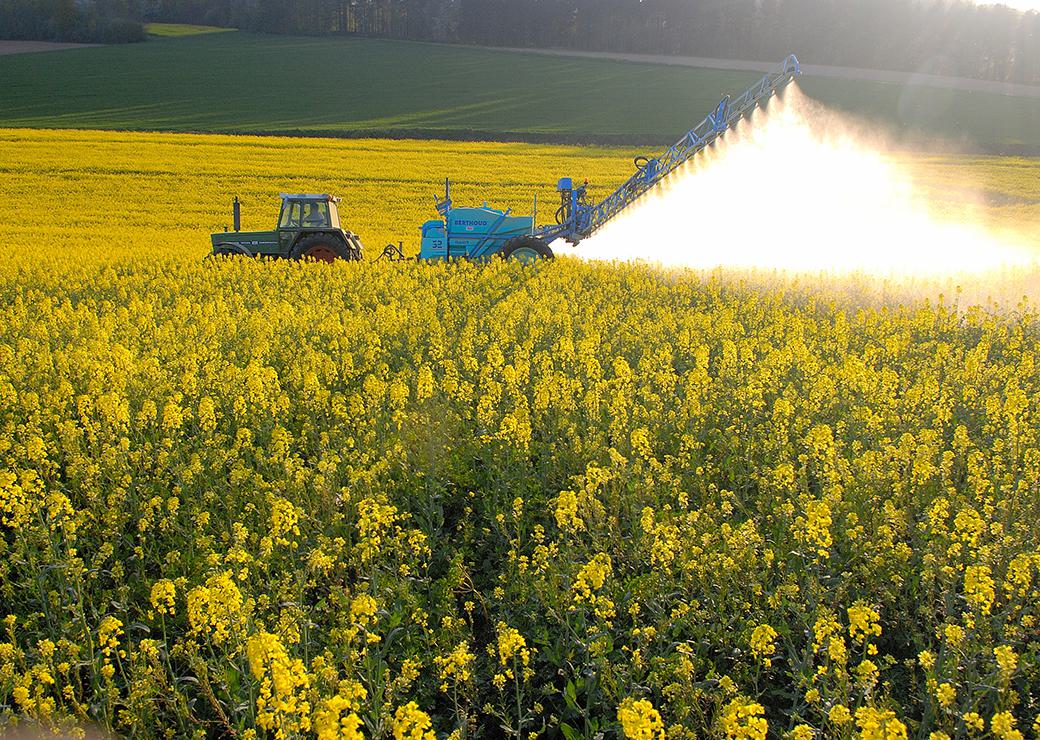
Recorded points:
(801,189)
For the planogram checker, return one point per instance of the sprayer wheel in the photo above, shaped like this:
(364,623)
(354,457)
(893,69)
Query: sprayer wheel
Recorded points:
(526,249)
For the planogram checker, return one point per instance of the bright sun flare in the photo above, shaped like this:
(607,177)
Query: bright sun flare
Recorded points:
(1018,4)
(796,189)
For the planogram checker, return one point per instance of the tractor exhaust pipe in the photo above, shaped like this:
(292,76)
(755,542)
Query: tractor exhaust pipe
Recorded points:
(237,211)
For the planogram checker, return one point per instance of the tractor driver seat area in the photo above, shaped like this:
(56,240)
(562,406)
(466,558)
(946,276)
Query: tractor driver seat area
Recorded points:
(317,216)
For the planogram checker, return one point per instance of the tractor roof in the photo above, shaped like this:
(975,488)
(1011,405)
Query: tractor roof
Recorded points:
(310,196)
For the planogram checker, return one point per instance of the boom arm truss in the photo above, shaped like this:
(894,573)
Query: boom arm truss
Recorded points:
(578,219)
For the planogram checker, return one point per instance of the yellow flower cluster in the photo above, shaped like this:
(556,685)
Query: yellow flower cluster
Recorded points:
(573,505)
(743,720)
(1002,725)
(1007,659)
(411,723)
(863,623)
(828,639)
(379,532)
(590,579)
(511,645)
(335,720)
(109,632)
(513,655)
(813,528)
(763,642)
(456,667)
(337,716)
(877,724)
(15,497)
(215,610)
(839,714)
(979,587)
(363,609)
(284,520)
(163,596)
(639,720)
(665,545)
(375,522)
(282,705)
(567,511)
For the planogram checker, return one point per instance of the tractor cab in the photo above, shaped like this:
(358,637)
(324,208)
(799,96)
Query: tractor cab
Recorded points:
(308,211)
(308,214)
(308,228)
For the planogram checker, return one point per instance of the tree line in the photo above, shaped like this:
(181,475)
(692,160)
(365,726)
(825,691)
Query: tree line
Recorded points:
(87,21)
(955,37)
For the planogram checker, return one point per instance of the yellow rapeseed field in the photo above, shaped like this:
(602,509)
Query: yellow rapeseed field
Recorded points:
(255,499)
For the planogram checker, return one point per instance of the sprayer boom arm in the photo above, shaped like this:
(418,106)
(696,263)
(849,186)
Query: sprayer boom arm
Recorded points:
(583,219)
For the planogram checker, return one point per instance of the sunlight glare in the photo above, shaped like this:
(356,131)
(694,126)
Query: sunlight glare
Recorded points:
(1025,5)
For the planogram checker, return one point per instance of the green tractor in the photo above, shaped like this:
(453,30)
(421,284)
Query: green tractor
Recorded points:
(308,228)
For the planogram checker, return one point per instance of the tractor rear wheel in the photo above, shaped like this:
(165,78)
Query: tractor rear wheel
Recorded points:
(320,248)
(526,249)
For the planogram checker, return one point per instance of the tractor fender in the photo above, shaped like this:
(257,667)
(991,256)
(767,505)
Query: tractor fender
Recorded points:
(232,247)
(355,242)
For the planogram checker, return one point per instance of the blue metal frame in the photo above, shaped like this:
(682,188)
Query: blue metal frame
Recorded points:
(483,249)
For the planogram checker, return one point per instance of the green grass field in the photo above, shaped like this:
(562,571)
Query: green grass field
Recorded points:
(240,82)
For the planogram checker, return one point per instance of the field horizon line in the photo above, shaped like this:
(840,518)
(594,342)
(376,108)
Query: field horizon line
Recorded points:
(619,141)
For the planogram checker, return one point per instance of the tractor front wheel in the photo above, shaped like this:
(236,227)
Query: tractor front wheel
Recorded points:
(320,248)
(526,249)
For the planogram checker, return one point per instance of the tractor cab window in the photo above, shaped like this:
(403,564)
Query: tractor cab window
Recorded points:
(291,215)
(316,215)
(305,214)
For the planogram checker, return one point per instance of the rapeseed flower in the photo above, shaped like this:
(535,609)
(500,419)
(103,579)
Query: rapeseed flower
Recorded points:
(979,588)
(1007,659)
(1002,725)
(763,643)
(162,596)
(216,609)
(877,724)
(639,720)
(411,723)
(743,720)
(282,705)
(456,667)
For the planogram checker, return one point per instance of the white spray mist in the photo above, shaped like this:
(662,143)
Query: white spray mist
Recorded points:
(799,188)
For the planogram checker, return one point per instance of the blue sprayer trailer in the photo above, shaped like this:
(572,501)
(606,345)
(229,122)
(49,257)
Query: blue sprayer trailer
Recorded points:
(482,232)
